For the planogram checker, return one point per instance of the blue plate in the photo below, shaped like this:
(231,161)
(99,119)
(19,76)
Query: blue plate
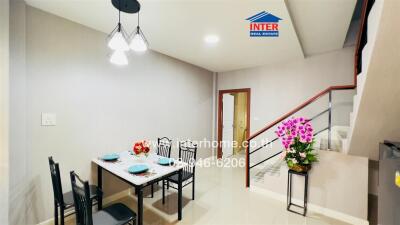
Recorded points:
(110,157)
(140,168)
(165,161)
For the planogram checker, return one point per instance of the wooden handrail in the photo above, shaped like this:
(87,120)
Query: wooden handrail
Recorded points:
(359,38)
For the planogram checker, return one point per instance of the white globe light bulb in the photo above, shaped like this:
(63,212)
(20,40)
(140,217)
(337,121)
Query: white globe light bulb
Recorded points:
(119,58)
(138,44)
(118,42)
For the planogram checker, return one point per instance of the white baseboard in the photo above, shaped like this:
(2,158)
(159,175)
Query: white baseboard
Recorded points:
(312,207)
(106,200)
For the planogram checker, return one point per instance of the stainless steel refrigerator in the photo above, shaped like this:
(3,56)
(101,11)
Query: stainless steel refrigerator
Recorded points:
(388,192)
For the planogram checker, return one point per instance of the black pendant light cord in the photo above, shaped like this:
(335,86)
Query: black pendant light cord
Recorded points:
(119,16)
(139,31)
(138,20)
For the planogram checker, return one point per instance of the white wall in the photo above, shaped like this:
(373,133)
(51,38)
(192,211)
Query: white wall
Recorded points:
(4,102)
(100,107)
(277,89)
(19,209)
(338,182)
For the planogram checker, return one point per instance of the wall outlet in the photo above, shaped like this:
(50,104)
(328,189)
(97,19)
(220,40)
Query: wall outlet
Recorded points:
(49,119)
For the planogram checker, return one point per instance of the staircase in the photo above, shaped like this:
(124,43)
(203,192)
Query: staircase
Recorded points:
(372,29)
(339,173)
(338,139)
(261,158)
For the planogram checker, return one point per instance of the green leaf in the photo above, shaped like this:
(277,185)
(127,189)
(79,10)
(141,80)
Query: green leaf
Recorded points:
(311,157)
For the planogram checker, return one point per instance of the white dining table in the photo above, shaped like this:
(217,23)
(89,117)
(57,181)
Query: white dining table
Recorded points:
(156,173)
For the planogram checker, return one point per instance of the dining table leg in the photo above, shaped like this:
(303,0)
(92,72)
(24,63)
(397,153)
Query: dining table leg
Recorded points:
(139,192)
(180,194)
(100,186)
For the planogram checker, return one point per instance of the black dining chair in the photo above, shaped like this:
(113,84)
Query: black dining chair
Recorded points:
(187,154)
(115,214)
(164,146)
(64,201)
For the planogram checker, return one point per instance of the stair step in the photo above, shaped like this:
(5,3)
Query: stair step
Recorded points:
(356,100)
(351,119)
(272,169)
(345,144)
(338,133)
(360,82)
(373,22)
(372,31)
(336,145)
(366,56)
(356,105)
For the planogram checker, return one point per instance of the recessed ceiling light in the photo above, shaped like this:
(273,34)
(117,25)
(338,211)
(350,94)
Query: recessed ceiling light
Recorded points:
(211,39)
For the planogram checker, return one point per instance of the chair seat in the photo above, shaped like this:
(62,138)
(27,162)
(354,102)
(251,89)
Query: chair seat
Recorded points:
(185,176)
(116,214)
(69,198)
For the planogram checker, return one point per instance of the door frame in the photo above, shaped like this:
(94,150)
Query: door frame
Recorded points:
(220,116)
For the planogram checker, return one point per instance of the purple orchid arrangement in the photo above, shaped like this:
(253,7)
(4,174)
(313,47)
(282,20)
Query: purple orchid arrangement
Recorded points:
(294,128)
(296,135)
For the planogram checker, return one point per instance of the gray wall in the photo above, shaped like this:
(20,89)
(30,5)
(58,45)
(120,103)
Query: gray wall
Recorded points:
(100,107)
(19,191)
(4,107)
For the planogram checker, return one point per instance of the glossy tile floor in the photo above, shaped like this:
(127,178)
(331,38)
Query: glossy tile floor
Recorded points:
(221,198)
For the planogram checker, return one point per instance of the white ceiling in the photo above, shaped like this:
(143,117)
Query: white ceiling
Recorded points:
(322,25)
(177,27)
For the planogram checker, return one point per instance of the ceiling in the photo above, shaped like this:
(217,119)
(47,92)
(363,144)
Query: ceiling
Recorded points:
(177,27)
(322,25)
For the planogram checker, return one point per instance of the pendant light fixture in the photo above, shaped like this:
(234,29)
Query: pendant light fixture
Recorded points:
(117,38)
(119,58)
(138,40)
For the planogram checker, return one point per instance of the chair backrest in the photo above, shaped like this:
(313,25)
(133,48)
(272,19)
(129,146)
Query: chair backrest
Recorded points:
(187,153)
(83,203)
(164,147)
(56,181)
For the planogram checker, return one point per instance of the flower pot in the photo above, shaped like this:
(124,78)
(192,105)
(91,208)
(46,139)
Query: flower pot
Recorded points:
(300,168)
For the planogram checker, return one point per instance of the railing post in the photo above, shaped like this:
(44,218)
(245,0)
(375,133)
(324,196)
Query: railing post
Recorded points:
(330,121)
(248,164)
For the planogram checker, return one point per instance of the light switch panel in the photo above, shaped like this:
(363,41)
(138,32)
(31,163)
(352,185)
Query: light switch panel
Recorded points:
(49,119)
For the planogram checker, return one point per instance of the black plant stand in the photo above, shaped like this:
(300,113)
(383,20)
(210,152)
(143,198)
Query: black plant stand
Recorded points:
(289,192)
